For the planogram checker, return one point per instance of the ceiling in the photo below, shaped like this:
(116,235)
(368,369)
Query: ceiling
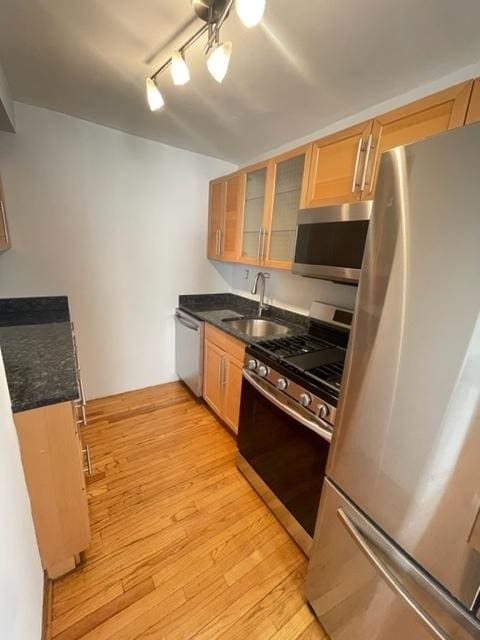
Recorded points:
(310,63)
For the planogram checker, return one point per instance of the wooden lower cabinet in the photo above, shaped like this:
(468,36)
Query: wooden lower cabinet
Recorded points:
(213,390)
(473,114)
(52,459)
(222,375)
(233,392)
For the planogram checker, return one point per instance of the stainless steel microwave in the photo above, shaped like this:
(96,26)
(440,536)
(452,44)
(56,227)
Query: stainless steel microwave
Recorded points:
(331,240)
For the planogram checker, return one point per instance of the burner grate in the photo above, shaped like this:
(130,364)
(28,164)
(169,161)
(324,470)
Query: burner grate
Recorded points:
(294,345)
(330,373)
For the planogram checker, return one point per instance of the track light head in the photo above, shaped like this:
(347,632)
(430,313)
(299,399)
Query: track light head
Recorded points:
(219,60)
(250,12)
(154,97)
(180,72)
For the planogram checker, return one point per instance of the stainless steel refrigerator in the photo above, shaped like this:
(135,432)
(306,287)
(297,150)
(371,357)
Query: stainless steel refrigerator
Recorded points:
(396,553)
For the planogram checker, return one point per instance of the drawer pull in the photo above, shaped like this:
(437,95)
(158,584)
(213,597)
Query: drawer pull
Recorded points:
(89,468)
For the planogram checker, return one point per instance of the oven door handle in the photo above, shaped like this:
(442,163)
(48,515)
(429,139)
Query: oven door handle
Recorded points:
(314,425)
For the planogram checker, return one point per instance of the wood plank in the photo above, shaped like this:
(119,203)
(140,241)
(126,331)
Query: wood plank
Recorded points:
(182,545)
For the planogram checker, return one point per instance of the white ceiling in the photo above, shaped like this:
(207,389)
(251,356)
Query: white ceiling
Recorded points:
(310,63)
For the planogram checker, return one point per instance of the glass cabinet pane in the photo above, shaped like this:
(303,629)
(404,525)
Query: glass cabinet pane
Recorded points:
(254,208)
(288,187)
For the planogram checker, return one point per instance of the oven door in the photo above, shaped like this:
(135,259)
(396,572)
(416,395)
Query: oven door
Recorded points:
(331,240)
(283,453)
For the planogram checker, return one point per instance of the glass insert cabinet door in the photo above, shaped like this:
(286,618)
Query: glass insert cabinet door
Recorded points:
(286,203)
(254,214)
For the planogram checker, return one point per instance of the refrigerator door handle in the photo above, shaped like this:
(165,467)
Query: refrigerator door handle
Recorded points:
(389,577)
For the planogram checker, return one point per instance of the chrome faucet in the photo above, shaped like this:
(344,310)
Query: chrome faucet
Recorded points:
(261,302)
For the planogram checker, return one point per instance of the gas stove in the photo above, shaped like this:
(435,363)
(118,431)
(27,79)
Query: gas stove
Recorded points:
(307,368)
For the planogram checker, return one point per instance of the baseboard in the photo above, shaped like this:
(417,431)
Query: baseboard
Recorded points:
(47,607)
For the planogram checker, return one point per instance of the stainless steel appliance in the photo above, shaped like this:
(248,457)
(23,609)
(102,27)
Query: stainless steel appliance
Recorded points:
(189,350)
(331,240)
(287,414)
(396,550)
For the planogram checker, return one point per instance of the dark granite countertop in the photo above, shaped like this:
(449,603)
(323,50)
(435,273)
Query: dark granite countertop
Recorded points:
(37,348)
(39,364)
(216,307)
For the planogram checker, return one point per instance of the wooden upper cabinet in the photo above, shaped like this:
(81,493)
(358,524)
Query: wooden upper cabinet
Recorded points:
(216,217)
(416,121)
(288,172)
(335,167)
(257,181)
(232,223)
(4,237)
(473,114)
(225,217)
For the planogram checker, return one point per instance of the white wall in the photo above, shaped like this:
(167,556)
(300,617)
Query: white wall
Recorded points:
(116,222)
(21,575)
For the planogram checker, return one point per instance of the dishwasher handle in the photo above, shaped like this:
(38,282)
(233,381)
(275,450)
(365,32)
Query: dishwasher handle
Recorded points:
(186,323)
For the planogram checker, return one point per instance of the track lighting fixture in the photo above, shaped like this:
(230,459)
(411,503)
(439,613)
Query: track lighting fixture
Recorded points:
(219,59)
(213,13)
(180,72)
(250,12)
(154,97)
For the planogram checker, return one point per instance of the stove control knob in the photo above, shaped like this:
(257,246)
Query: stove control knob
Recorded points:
(263,371)
(323,410)
(305,399)
(252,364)
(282,384)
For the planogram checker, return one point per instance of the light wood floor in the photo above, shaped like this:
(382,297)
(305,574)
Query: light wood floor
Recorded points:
(182,547)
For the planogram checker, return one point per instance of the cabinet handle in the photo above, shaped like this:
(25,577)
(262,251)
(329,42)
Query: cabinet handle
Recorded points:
(224,377)
(370,146)
(357,162)
(259,248)
(89,468)
(219,372)
(264,243)
(219,242)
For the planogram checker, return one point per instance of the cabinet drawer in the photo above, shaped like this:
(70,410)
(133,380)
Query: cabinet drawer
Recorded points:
(233,347)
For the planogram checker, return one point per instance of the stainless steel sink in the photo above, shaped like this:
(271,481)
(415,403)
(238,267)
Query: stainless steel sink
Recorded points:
(258,327)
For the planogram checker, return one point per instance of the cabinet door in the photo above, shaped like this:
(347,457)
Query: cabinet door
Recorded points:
(213,360)
(254,214)
(421,119)
(233,390)
(53,469)
(216,218)
(232,223)
(335,167)
(473,114)
(4,238)
(288,172)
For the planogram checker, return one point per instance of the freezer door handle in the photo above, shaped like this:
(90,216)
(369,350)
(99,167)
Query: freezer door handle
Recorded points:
(389,577)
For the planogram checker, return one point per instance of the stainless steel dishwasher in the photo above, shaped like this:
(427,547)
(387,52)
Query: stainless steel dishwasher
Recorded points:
(189,350)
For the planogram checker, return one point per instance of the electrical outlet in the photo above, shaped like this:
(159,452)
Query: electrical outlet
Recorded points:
(246,274)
